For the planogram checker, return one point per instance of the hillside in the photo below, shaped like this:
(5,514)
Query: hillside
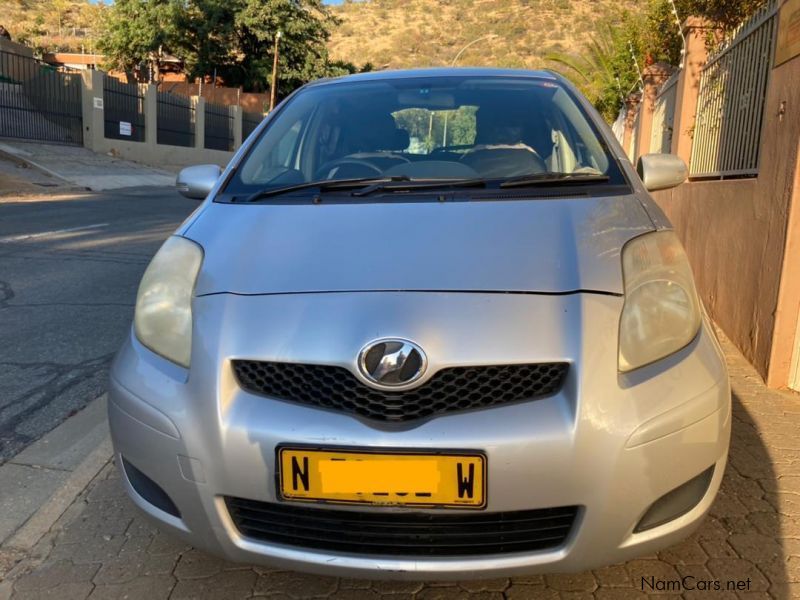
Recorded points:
(416,33)
(52,25)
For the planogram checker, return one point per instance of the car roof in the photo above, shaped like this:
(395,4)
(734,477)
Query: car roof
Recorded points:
(436,72)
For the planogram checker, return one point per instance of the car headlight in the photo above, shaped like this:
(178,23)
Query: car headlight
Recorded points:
(163,318)
(661,314)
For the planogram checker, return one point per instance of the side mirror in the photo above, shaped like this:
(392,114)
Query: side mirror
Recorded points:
(661,171)
(196,182)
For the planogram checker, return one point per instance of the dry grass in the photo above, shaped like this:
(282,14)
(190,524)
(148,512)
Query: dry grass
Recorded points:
(420,33)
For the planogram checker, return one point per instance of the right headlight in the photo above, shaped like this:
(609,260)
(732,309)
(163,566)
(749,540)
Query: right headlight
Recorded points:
(661,313)
(163,316)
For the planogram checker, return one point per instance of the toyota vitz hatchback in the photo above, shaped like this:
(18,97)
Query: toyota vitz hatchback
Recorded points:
(426,325)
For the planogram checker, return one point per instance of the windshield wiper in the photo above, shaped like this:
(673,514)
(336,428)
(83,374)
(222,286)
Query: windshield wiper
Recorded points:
(409,185)
(553,178)
(324,185)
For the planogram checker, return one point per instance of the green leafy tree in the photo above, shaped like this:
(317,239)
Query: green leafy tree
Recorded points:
(135,31)
(233,40)
(305,28)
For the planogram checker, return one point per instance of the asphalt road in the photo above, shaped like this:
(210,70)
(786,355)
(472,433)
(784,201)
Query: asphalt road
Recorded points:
(69,271)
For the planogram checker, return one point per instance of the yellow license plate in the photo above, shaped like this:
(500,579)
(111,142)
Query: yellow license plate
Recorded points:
(391,478)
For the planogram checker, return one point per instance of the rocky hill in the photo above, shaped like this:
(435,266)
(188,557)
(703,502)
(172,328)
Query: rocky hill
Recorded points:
(416,33)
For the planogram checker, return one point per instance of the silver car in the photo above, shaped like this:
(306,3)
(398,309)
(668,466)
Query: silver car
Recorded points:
(426,325)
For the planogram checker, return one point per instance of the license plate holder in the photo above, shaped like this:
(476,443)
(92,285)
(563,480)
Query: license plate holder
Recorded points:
(382,477)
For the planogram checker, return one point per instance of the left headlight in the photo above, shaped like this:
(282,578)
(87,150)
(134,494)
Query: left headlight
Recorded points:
(163,318)
(661,313)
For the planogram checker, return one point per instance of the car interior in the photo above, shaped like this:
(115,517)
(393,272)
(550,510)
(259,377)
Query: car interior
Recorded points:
(409,130)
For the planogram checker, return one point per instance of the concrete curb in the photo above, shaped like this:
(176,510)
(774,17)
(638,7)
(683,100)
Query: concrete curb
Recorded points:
(43,519)
(41,482)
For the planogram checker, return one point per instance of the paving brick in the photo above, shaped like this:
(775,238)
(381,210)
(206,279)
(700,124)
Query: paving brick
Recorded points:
(737,569)
(124,569)
(521,591)
(98,549)
(227,585)
(455,593)
(613,576)
(56,574)
(718,549)
(296,585)
(195,564)
(346,583)
(688,552)
(487,585)
(397,587)
(619,594)
(166,543)
(573,582)
(364,594)
(140,588)
(756,548)
(785,590)
(65,591)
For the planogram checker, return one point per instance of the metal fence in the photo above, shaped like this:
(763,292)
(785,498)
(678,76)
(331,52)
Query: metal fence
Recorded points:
(123,110)
(218,127)
(250,120)
(37,102)
(175,120)
(730,107)
(664,115)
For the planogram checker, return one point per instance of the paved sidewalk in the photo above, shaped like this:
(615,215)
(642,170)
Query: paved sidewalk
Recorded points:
(84,168)
(101,548)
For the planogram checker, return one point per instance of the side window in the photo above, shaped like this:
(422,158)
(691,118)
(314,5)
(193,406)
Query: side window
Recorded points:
(281,155)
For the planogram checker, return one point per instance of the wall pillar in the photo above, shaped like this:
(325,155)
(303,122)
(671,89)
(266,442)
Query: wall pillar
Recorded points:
(687,90)
(199,104)
(92,109)
(653,77)
(631,106)
(151,114)
(237,126)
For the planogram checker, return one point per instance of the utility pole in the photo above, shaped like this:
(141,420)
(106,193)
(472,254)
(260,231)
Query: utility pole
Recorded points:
(273,92)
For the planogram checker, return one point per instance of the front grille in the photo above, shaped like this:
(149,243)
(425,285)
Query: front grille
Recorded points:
(449,390)
(403,533)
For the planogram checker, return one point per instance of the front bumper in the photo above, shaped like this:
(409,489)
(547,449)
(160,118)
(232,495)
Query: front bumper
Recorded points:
(608,443)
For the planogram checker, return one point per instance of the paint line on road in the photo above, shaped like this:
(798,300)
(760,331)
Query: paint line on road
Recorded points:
(30,236)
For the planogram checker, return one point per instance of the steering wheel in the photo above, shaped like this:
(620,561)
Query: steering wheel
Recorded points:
(339,162)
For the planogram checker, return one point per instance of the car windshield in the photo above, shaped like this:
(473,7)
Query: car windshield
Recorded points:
(426,128)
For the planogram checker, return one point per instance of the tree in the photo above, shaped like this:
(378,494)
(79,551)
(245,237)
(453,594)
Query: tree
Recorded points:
(305,28)
(232,39)
(135,31)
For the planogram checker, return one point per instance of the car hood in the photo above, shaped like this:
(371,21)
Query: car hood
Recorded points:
(532,245)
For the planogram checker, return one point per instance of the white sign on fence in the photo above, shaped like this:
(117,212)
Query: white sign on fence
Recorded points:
(97,102)
(124,128)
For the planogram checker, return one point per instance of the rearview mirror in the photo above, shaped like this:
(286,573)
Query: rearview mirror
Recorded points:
(196,182)
(661,171)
